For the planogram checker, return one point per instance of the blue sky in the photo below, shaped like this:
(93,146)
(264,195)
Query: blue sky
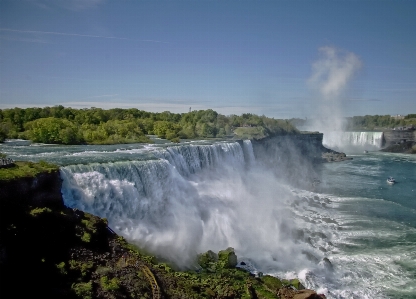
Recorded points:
(282,59)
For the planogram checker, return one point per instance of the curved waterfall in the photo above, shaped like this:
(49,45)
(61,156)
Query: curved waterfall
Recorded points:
(189,199)
(351,140)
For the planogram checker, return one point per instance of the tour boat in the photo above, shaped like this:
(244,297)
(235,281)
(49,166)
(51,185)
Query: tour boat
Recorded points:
(391,180)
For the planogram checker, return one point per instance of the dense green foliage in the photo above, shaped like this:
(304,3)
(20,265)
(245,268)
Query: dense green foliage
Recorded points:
(60,125)
(378,122)
(368,122)
(26,169)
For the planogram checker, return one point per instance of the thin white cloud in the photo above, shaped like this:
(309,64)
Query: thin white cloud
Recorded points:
(364,100)
(80,35)
(149,106)
(26,40)
(102,96)
(67,4)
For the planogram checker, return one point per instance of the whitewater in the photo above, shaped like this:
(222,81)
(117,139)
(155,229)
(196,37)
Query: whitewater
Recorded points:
(350,236)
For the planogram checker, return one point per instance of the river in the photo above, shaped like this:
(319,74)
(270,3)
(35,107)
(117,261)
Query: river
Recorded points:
(349,235)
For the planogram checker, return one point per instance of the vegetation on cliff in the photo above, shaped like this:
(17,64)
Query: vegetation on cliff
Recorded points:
(368,122)
(26,169)
(60,125)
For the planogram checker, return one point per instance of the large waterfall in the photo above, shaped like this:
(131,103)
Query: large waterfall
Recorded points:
(353,140)
(192,198)
(349,236)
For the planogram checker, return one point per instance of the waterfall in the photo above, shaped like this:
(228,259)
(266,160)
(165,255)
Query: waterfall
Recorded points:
(351,140)
(189,199)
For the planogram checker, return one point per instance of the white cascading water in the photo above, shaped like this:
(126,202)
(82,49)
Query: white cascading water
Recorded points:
(195,198)
(350,141)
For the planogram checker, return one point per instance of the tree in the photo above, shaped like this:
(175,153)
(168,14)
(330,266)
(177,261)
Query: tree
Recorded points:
(52,130)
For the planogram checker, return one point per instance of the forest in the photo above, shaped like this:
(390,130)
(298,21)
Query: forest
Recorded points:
(367,122)
(65,125)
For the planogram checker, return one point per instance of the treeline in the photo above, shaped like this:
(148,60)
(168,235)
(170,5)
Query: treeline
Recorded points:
(367,122)
(60,125)
(379,122)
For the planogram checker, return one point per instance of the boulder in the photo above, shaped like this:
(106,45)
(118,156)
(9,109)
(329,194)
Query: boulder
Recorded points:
(308,294)
(297,284)
(205,260)
(227,258)
(272,283)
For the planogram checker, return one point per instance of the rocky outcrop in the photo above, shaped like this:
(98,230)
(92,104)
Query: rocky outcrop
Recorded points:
(392,137)
(41,190)
(334,156)
(399,141)
(294,158)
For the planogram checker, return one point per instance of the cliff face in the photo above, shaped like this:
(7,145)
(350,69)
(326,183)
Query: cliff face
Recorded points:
(294,158)
(399,141)
(290,148)
(41,190)
(399,136)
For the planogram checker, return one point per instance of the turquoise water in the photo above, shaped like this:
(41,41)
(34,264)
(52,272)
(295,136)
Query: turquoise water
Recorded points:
(375,241)
(351,236)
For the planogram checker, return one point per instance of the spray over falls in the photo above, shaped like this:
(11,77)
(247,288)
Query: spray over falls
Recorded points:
(190,199)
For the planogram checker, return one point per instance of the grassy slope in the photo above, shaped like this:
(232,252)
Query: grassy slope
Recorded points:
(26,170)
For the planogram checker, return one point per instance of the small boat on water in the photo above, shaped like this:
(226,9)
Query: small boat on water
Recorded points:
(365,152)
(391,180)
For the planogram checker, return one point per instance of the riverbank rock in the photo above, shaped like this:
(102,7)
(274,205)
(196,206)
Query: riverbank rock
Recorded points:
(308,294)
(408,147)
(335,157)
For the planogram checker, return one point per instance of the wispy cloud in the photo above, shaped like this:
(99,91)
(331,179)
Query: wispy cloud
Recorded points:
(26,40)
(102,96)
(67,4)
(146,106)
(364,100)
(79,35)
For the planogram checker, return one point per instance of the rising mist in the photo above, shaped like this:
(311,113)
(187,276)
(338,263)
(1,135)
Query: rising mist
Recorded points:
(198,198)
(331,75)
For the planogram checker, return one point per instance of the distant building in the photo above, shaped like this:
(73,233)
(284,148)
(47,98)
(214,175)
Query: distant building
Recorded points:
(398,116)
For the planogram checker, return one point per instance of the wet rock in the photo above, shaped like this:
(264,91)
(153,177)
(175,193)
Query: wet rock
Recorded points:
(308,294)
(327,264)
(335,157)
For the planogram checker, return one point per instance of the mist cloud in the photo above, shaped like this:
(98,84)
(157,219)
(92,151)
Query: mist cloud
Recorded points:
(332,72)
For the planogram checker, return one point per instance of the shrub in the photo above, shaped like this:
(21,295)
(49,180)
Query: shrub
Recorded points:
(86,237)
(109,284)
(37,211)
(83,289)
(61,268)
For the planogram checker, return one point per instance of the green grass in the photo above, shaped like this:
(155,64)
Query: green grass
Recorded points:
(26,170)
